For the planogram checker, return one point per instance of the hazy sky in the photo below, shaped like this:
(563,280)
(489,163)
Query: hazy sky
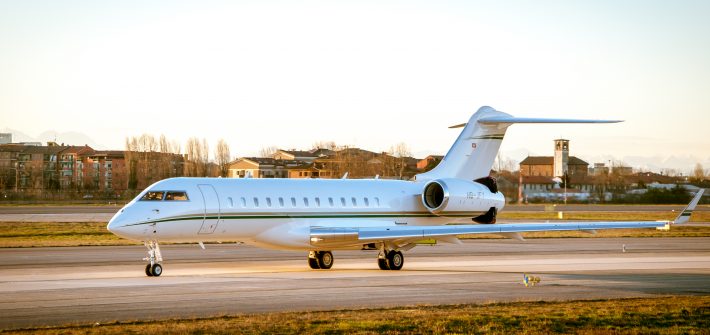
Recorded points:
(367,74)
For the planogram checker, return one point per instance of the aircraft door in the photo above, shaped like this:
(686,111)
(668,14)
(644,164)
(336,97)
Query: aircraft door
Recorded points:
(212,209)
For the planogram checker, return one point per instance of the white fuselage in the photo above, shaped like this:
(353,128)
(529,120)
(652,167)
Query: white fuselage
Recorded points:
(279,213)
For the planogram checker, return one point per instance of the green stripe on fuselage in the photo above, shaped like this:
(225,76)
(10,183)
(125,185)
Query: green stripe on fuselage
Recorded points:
(262,216)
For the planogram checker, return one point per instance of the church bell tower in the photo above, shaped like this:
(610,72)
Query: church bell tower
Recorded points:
(561,157)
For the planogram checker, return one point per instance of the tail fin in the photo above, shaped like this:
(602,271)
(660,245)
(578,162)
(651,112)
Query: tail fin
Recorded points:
(472,155)
(684,216)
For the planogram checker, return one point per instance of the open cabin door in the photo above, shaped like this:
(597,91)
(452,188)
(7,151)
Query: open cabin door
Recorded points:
(212,209)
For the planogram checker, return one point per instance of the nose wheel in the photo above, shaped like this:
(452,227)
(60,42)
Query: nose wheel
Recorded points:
(153,268)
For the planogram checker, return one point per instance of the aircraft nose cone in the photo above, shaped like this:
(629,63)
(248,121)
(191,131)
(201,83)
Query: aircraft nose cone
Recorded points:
(117,225)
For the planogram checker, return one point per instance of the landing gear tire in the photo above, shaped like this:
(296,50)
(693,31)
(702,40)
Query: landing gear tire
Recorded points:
(153,268)
(325,259)
(395,260)
(382,263)
(156,270)
(313,263)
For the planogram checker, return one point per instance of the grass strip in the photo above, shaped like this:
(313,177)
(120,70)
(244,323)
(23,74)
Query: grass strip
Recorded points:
(57,234)
(664,315)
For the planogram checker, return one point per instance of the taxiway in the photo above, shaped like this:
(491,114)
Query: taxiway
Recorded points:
(53,286)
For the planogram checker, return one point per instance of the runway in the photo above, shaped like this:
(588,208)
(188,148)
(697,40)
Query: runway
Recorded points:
(53,286)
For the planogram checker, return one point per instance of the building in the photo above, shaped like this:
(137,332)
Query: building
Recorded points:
(107,171)
(543,177)
(309,170)
(299,155)
(599,169)
(53,167)
(555,166)
(429,162)
(261,167)
(5,138)
(560,162)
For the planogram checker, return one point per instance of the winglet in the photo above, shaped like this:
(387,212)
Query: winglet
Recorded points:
(684,216)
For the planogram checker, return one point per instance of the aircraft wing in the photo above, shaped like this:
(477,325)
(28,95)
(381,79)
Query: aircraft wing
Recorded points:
(324,236)
(346,235)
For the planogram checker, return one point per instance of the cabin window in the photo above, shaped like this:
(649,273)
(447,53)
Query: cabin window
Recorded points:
(305,201)
(256,202)
(342,201)
(281,202)
(153,196)
(230,202)
(317,202)
(293,202)
(377,201)
(330,201)
(176,195)
(244,202)
(354,201)
(268,202)
(367,202)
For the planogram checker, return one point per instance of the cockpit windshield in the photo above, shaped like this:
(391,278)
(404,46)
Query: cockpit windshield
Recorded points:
(176,195)
(153,196)
(169,196)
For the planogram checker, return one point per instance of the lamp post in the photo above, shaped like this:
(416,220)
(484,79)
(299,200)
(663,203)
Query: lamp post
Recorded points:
(17,175)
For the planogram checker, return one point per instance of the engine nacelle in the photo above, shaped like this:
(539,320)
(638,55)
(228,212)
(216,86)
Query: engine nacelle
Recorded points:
(456,198)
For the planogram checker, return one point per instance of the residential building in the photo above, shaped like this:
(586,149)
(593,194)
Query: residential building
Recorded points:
(261,167)
(429,162)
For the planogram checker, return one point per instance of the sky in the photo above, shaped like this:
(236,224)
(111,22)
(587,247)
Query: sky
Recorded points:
(368,74)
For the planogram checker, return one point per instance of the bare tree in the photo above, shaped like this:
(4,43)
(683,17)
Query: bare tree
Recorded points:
(222,157)
(268,151)
(503,163)
(197,157)
(149,159)
(699,172)
(401,152)
(330,145)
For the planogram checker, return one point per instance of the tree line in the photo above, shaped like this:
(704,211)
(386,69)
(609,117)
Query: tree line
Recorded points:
(150,159)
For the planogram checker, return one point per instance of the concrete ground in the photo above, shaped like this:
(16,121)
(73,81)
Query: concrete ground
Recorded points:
(53,286)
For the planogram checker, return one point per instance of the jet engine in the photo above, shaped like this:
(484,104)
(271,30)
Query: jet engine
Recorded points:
(459,198)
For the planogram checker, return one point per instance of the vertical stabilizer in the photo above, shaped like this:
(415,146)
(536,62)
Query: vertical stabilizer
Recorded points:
(472,155)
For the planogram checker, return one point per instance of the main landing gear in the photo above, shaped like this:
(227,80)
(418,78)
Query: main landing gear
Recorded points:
(320,259)
(386,259)
(153,268)
(390,260)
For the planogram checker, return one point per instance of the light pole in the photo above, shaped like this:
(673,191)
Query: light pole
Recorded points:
(17,175)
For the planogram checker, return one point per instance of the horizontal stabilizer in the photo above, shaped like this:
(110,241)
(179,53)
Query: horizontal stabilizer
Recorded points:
(511,119)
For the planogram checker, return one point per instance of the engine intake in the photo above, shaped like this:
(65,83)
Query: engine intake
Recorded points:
(435,196)
(460,198)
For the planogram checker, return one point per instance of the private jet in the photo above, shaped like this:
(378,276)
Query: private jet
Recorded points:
(318,216)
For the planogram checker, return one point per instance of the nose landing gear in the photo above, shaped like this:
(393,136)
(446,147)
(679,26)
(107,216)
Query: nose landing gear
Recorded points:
(153,268)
